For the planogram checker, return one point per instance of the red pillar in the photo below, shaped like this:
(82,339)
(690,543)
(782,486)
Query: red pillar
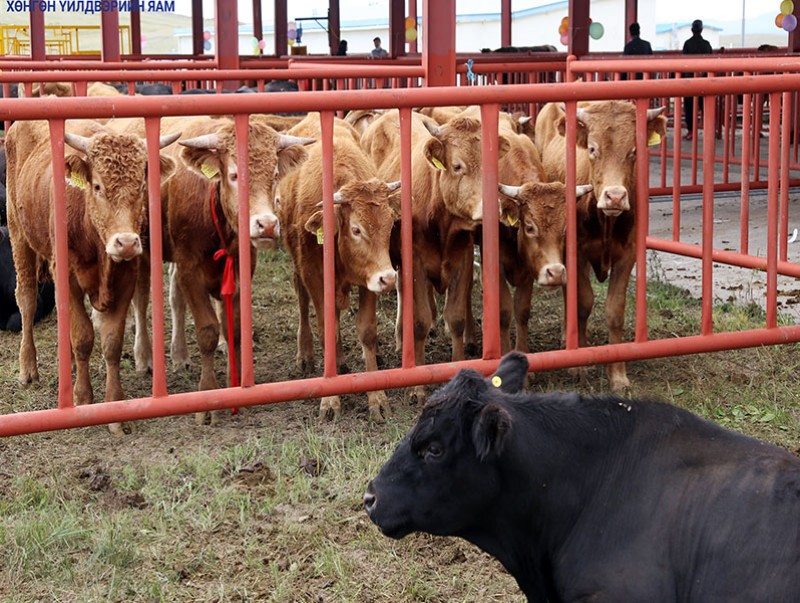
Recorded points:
(334,26)
(281,20)
(38,50)
(794,36)
(197,27)
(505,23)
(136,32)
(258,30)
(578,27)
(631,16)
(109,30)
(397,29)
(439,45)
(227,27)
(412,13)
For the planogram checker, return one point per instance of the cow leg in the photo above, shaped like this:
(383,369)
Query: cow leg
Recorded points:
(470,326)
(27,277)
(367,329)
(522,313)
(505,314)
(178,350)
(82,337)
(455,306)
(398,323)
(615,317)
(585,304)
(424,314)
(330,407)
(207,333)
(142,345)
(305,339)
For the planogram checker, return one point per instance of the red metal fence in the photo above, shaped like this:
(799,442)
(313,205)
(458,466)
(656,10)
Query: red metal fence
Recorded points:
(779,89)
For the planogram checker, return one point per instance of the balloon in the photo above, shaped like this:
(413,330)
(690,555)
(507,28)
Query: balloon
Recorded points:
(562,29)
(291,25)
(596,30)
(789,22)
(144,45)
(411,35)
(787,7)
(262,44)
(565,39)
(291,34)
(565,22)
(254,42)
(779,19)
(206,35)
(207,45)
(411,23)
(143,37)
(291,42)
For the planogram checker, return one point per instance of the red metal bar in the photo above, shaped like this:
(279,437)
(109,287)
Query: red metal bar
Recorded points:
(227,39)
(708,212)
(683,64)
(245,282)
(334,26)
(38,48)
(439,43)
(571,310)
(152,132)
(728,140)
(61,250)
(109,29)
(491,233)
(281,32)
(136,32)
(397,28)
(268,393)
(406,234)
(412,13)
(505,22)
(744,233)
(257,26)
(631,16)
(329,243)
(759,113)
(784,187)
(772,211)
(197,27)
(676,167)
(642,217)
(578,13)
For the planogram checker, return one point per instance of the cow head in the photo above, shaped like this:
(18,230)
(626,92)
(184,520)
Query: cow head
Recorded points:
(455,151)
(270,157)
(445,475)
(607,130)
(365,213)
(113,174)
(539,212)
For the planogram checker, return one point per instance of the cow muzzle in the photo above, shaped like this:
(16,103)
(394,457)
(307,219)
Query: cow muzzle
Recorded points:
(124,246)
(383,281)
(614,200)
(553,275)
(264,230)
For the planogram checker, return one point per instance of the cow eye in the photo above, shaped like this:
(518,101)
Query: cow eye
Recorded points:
(233,177)
(458,168)
(96,188)
(592,151)
(531,229)
(433,451)
(356,231)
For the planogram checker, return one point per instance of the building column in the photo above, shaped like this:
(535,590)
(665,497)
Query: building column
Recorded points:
(439,44)
(109,31)
(505,23)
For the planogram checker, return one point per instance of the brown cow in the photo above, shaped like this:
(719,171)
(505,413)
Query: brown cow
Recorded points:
(447,206)
(106,207)
(364,220)
(208,174)
(605,158)
(360,119)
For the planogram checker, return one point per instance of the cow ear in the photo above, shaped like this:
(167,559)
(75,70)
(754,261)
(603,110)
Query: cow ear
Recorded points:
(291,157)
(204,162)
(490,430)
(657,125)
(167,166)
(503,146)
(314,223)
(434,153)
(511,372)
(561,125)
(582,135)
(509,212)
(77,171)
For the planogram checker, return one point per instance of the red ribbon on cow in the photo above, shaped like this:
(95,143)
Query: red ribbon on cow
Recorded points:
(227,290)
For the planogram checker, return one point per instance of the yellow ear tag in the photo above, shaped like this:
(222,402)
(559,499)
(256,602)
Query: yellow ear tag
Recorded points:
(77,180)
(320,236)
(512,221)
(439,165)
(497,381)
(654,139)
(209,171)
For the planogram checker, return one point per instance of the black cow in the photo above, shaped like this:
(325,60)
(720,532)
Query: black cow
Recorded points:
(596,499)
(10,319)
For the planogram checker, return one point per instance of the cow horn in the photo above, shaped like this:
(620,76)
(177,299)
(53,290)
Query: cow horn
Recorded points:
(432,128)
(653,113)
(509,191)
(285,140)
(168,139)
(524,119)
(77,142)
(393,186)
(338,198)
(583,189)
(206,141)
(581,114)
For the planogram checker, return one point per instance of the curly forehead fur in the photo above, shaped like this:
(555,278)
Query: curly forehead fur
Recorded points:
(118,159)
(611,114)
(262,143)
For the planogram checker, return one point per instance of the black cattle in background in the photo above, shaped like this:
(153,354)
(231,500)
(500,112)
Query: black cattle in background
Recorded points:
(598,499)
(10,319)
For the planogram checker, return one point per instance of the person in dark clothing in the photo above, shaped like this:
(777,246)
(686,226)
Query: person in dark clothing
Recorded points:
(636,46)
(694,45)
(342,52)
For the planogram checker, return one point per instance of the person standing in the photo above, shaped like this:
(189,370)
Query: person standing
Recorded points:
(636,46)
(378,52)
(694,45)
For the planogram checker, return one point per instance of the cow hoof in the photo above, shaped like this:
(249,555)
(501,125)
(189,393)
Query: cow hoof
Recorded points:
(121,429)
(330,409)
(180,365)
(620,385)
(379,409)
(27,378)
(214,418)
(416,396)
(201,418)
(306,365)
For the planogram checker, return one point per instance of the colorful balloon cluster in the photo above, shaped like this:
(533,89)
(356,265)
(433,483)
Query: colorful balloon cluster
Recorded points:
(411,29)
(291,32)
(786,19)
(258,45)
(207,40)
(596,30)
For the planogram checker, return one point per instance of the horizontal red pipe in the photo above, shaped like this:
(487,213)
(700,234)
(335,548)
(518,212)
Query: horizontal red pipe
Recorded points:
(718,64)
(10,64)
(722,256)
(719,187)
(149,408)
